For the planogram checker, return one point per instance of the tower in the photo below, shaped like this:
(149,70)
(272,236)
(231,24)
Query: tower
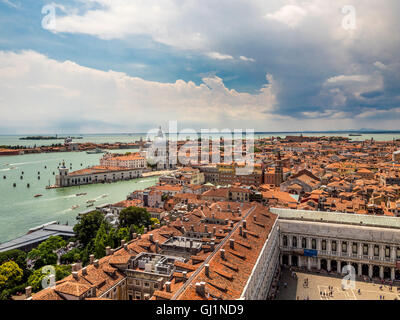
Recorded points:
(278,170)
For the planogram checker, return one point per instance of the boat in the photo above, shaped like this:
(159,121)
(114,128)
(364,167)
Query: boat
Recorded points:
(104,195)
(95,151)
(90,205)
(81,194)
(38,195)
(355,135)
(90,201)
(74,207)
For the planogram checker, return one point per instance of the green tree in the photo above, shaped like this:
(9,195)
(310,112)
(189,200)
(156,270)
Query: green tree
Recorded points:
(134,215)
(100,242)
(10,275)
(18,256)
(35,280)
(72,256)
(45,254)
(123,234)
(86,229)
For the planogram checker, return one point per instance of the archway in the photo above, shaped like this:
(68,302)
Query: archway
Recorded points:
(375,271)
(355,266)
(285,260)
(324,264)
(386,273)
(295,261)
(365,270)
(334,265)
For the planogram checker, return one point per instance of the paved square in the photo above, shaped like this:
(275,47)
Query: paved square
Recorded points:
(318,288)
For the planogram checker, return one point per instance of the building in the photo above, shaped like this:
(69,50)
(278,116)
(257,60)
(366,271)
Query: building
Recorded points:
(129,161)
(229,174)
(96,174)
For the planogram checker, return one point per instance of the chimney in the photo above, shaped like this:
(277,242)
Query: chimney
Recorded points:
(168,286)
(212,245)
(207,270)
(149,227)
(126,247)
(213,216)
(214,230)
(232,243)
(231,224)
(240,230)
(222,251)
(205,229)
(91,258)
(108,251)
(151,238)
(122,243)
(245,224)
(134,235)
(192,227)
(28,292)
(73,267)
(244,233)
(226,221)
(75,275)
(184,275)
(255,218)
(201,288)
(96,263)
(157,246)
(84,272)
(144,230)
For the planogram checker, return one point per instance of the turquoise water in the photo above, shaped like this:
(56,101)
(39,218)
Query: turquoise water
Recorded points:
(20,211)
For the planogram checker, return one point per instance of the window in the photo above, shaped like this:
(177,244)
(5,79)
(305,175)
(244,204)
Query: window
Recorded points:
(314,244)
(285,241)
(376,251)
(344,247)
(354,248)
(304,243)
(334,246)
(365,249)
(387,251)
(323,245)
(146,284)
(138,295)
(294,242)
(138,282)
(398,253)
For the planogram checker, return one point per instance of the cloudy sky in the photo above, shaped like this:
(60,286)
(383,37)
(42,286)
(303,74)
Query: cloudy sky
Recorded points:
(131,65)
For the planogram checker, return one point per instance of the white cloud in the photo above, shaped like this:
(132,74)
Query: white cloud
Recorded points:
(247,59)
(219,56)
(290,15)
(57,94)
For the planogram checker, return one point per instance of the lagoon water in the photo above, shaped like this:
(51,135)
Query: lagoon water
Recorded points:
(20,211)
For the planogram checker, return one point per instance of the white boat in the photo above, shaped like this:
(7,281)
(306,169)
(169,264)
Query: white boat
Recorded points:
(95,151)
(74,207)
(104,195)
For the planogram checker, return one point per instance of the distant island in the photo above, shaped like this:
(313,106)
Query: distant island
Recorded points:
(48,138)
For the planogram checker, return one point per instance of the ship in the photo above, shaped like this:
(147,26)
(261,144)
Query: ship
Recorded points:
(355,135)
(38,195)
(95,151)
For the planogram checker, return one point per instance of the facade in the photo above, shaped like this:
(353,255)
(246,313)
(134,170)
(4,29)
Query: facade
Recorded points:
(229,174)
(96,174)
(130,161)
(329,241)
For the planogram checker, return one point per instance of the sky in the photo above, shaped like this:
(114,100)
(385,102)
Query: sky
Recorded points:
(111,66)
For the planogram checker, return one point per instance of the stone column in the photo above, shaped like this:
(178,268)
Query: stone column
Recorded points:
(329,246)
(309,263)
(290,242)
(308,243)
(290,260)
(319,263)
(329,265)
(299,261)
(381,272)
(393,254)
(381,253)
(339,267)
(370,270)
(339,247)
(370,251)
(319,245)
(360,250)
(392,274)
(359,269)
